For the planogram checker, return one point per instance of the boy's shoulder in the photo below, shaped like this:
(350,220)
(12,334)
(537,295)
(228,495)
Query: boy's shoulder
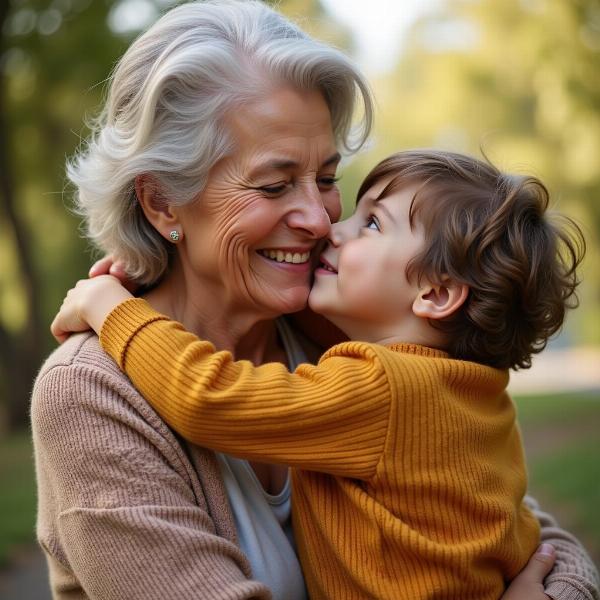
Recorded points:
(416,360)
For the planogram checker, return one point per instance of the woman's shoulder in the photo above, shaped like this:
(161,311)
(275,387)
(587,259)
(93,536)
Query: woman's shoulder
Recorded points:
(80,350)
(79,372)
(79,381)
(84,410)
(99,447)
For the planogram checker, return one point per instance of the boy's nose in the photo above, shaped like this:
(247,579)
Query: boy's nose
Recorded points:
(336,236)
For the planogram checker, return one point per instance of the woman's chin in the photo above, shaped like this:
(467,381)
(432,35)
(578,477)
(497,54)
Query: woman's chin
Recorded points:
(289,301)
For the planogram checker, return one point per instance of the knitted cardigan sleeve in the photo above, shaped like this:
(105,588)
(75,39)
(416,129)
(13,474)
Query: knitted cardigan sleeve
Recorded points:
(574,576)
(117,515)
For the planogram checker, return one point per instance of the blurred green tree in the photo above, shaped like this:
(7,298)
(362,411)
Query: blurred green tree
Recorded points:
(51,55)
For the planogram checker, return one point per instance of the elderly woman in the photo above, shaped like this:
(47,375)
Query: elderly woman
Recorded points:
(212,177)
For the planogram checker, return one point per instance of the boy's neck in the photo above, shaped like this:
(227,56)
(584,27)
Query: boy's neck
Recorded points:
(414,330)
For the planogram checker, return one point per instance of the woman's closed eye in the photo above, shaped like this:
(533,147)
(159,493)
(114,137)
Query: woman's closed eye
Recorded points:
(274,189)
(324,183)
(372,223)
(327,182)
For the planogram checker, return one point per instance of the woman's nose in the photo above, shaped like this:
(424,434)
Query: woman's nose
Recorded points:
(311,215)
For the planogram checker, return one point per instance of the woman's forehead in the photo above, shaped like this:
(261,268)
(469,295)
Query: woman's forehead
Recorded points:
(284,114)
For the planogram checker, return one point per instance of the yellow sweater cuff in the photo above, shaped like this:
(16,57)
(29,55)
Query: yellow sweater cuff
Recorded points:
(123,323)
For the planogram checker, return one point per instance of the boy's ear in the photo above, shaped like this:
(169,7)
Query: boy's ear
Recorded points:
(158,211)
(438,301)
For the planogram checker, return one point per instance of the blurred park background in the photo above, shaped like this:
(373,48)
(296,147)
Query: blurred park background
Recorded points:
(519,79)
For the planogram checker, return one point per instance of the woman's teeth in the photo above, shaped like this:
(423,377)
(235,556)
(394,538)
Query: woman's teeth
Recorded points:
(288,257)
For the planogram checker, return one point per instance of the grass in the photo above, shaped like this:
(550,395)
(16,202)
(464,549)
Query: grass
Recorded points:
(544,410)
(573,478)
(562,439)
(17,500)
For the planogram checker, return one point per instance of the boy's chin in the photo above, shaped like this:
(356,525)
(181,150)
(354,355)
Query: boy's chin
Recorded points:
(313,303)
(321,308)
(318,306)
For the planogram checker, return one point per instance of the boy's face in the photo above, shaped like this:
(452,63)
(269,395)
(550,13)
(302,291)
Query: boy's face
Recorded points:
(361,285)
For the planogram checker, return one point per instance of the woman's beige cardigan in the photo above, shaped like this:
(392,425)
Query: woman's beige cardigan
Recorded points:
(127,510)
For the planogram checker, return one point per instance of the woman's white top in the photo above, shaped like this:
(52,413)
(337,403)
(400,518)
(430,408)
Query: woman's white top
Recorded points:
(263,521)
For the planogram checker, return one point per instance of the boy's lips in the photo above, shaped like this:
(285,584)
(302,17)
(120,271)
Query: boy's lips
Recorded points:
(326,265)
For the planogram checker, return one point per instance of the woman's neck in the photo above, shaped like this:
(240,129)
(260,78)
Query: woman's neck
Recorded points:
(253,337)
(246,334)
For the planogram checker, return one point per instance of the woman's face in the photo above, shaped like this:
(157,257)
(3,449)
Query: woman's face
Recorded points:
(252,233)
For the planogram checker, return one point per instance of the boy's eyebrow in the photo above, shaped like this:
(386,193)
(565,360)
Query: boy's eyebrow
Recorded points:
(384,208)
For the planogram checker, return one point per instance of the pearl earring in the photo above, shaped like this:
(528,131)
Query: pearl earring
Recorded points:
(174,235)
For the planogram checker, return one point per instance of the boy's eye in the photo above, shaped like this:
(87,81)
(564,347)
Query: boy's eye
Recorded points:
(372,223)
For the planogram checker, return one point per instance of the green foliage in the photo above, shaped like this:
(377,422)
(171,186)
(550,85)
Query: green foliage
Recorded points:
(53,61)
(564,409)
(560,433)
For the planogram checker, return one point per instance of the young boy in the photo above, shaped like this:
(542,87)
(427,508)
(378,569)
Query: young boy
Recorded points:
(408,471)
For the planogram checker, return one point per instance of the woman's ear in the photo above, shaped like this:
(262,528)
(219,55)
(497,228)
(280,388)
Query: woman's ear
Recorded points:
(158,211)
(438,301)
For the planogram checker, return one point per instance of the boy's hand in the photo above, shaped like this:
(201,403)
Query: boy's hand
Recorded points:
(109,266)
(87,305)
(529,583)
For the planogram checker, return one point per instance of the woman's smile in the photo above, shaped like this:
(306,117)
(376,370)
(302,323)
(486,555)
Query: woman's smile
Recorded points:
(287,260)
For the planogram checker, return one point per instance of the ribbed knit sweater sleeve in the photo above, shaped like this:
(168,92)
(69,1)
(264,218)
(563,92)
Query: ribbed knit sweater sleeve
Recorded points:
(330,417)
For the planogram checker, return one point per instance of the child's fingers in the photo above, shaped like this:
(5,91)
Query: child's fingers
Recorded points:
(117,269)
(109,266)
(539,565)
(102,266)
(529,583)
(57,331)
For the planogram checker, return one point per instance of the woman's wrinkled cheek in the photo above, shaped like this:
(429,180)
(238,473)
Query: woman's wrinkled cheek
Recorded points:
(239,222)
(233,259)
(231,215)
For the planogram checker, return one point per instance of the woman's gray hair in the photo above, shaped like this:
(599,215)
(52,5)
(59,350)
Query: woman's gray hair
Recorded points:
(165,110)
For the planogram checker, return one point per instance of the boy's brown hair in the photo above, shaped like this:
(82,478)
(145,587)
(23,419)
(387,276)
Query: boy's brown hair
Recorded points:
(491,231)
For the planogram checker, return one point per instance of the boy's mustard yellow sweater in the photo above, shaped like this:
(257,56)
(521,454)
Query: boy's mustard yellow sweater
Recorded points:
(408,472)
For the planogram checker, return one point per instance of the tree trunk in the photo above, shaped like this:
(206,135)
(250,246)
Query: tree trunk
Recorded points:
(21,353)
